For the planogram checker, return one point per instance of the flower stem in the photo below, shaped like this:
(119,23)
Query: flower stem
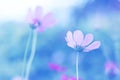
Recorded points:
(77,63)
(31,56)
(25,55)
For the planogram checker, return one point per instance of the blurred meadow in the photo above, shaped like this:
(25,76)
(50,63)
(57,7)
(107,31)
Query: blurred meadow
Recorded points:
(54,59)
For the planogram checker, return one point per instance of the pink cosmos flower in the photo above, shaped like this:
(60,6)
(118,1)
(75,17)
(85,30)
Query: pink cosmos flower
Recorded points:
(38,21)
(80,42)
(112,67)
(65,77)
(56,67)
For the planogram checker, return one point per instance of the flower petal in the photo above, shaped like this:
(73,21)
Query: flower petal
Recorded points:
(69,39)
(48,20)
(112,66)
(78,37)
(94,45)
(40,28)
(70,44)
(38,13)
(64,77)
(30,16)
(56,67)
(69,36)
(88,39)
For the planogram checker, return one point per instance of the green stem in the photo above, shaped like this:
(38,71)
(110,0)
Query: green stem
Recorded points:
(31,56)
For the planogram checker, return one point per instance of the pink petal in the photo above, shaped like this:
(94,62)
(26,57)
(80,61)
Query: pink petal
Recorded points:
(38,13)
(69,39)
(111,66)
(48,20)
(41,29)
(73,78)
(108,67)
(30,17)
(53,66)
(64,77)
(88,39)
(94,45)
(78,37)
(56,67)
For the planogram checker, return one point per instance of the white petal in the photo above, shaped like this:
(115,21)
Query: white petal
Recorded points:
(78,37)
(94,45)
(69,39)
(69,36)
(71,45)
(87,40)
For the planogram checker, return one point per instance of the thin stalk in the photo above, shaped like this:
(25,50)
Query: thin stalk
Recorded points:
(25,55)
(31,56)
(77,64)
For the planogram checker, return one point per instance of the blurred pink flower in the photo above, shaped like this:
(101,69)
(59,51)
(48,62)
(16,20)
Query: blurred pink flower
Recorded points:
(80,42)
(65,77)
(73,78)
(112,67)
(38,21)
(56,67)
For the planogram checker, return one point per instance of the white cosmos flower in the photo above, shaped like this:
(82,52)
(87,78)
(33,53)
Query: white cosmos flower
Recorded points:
(78,41)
